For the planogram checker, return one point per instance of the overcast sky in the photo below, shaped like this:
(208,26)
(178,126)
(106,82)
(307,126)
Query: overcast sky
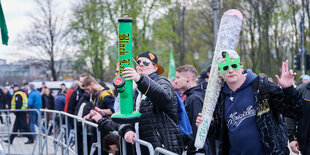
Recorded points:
(15,12)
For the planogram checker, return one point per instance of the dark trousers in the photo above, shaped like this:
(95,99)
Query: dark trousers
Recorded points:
(21,125)
(1,119)
(307,149)
(80,140)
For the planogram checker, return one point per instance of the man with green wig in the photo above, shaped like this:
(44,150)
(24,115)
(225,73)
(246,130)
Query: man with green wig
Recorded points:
(247,118)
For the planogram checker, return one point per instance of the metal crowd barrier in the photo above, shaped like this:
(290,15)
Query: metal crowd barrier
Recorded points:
(64,138)
(139,141)
(163,151)
(150,147)
(38,133)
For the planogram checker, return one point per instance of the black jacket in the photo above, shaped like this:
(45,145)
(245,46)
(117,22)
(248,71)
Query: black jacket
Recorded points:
(270,101)
(74,100)
(158,123)
(106,125)
(87,105)
(48,101)
(193,105)
(302,132)
(7,99)
(2,99)
(203,84)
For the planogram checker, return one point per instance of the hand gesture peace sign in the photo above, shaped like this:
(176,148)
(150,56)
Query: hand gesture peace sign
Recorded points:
(287,77)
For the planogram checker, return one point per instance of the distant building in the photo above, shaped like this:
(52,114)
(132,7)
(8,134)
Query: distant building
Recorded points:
(2,61)
(29,70)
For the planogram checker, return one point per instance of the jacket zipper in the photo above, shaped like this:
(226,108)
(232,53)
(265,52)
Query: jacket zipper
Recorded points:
(162,144)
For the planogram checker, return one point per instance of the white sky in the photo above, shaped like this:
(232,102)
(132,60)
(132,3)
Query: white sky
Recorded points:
(15,12)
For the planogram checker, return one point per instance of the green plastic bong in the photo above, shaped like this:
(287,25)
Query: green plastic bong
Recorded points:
(126,114)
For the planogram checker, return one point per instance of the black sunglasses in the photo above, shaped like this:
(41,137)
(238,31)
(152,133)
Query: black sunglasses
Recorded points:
(145,62)
(225,68)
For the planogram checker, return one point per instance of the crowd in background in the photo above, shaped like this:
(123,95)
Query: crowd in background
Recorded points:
(154,97)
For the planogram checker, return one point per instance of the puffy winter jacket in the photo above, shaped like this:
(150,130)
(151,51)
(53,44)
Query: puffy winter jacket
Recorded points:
(270,101)
(158,123)
(106,125)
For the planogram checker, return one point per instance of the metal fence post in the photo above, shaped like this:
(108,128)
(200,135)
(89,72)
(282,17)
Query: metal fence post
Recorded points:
(61,128)
(46,131)
(99,141)
(75,138)
(124,149)
(9,135)
(67,135)
(84,137)
(40,131)
(54,133)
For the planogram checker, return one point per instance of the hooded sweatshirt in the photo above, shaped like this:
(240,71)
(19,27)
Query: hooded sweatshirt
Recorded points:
(240,119)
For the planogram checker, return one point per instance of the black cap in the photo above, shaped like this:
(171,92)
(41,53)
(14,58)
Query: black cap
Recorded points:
(204,75)
(153,58)
(15,85)
(209,69)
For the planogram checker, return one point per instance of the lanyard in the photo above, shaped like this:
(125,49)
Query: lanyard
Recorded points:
(155,78)
(98,97)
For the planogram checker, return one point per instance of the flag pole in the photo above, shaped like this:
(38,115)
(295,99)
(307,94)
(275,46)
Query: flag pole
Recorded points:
(171,74)
(4,30)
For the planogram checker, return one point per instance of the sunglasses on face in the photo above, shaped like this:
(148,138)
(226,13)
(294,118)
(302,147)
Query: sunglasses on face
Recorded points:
(233,66)
(145,62)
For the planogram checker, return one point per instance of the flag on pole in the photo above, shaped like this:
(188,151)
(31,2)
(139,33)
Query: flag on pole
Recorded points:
(171,74)
(4,30)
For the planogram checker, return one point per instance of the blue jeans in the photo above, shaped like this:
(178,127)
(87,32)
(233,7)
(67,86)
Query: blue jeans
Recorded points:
(33,120)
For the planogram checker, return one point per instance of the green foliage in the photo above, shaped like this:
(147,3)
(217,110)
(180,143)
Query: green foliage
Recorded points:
(90,36)
(270,31)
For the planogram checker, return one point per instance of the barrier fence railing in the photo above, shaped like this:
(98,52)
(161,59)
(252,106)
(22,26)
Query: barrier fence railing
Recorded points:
(163,151)
(64,129)
(63,137)
(139,141)
(9,132)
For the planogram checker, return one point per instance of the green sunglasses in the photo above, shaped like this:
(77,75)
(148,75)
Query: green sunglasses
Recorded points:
(229,63)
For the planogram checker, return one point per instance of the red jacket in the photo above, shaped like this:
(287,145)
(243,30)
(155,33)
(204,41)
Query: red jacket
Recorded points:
(68,95)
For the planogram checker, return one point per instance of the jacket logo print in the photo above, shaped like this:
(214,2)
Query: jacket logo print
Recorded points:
(263,107)
(236,119)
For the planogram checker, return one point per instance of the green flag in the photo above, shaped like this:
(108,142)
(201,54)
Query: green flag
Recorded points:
(4,30)
(171,74)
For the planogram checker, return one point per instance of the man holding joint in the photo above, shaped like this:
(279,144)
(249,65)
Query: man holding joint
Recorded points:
(248,110)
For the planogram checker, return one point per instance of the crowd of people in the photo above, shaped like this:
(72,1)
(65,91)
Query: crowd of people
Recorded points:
(28,97)
(253,115)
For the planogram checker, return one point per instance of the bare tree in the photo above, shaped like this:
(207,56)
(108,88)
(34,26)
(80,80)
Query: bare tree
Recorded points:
(45,37)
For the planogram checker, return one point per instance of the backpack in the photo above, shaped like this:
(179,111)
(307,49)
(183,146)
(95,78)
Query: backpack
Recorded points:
(184,124)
